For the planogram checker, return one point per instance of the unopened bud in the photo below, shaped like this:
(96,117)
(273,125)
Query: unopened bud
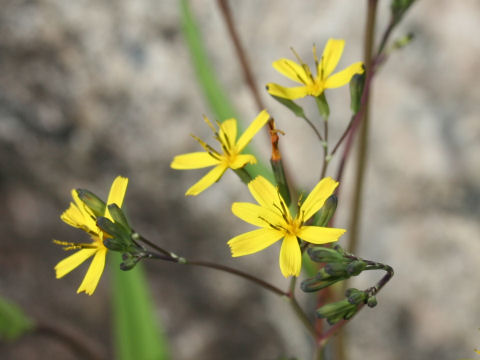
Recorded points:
(128,262)
(356,267)
(92,201)
(356,90)
(327,211)
(336,311)
(336,269)
(324,254)
(356,297)
(315,284)
(372,301)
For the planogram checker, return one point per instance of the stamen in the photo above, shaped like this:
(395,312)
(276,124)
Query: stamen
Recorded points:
(304,66)
(74,246)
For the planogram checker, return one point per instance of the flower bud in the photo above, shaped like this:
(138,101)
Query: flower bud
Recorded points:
(356,90)
(327,211)
(355,296)
(336,311)
(315,284)
(324,254)
(92,201)
(356,267)
(336,269)
(372,301)
(129,261)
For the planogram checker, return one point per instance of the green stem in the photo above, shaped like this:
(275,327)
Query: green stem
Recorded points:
(361,157)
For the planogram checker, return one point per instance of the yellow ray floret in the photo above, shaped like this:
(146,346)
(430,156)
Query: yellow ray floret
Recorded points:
(275,221)
(314,85)
(80,216)
(229,157)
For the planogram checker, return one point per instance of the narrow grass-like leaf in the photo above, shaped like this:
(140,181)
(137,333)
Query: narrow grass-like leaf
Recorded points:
(13,321)
(213,91)
(136,326)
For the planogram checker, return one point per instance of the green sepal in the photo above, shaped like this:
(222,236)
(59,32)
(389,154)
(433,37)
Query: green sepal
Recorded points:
(279,174)
(118,216)
(327,211)
(93,202)
(295,108)
(322,105)
(357,84)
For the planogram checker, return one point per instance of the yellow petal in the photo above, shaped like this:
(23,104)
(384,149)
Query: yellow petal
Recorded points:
(211,177)
(92,277)
(287,93)
(242,160)
(343,77)
(73,261)
(252,129)
(256,215)
(79,215)
(331,56)
(196,160)
(116,194)
(228,133)
(267,195)
(317,197)
(253,241)
(320,235)
(292,70)
(290,257)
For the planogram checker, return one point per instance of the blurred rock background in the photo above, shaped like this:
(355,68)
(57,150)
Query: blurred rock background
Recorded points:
(92,89)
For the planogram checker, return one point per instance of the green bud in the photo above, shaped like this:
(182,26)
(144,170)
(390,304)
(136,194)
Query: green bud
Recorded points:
(92,201)
(324,254)
(356,296)
(372,301)
(322,105)
(336,269)
(129,261)
(296,109)
(356,267)
(327,211)
(336,311)
(315,284)
(356,90)
(118,216)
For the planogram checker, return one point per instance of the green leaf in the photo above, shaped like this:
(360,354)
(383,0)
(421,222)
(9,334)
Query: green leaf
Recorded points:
(13,321)
(213,91)
(136,326)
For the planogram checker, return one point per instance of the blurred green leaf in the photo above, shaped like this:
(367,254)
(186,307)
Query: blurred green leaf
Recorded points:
(136,326)
(213,91)
(13,321)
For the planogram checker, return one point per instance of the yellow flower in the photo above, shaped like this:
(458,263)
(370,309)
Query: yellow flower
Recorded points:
(275,222)
(311,85)
(80,216)
(230,157)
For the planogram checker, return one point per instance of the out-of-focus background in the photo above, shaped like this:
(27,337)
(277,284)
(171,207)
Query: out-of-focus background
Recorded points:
(92,89)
